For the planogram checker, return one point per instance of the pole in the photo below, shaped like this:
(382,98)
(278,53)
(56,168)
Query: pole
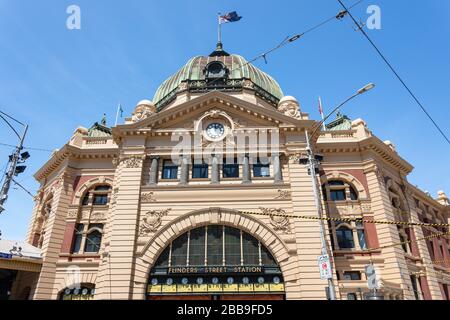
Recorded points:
(322,114)
(11,171)
(311,163)
(219,31)
(117,114)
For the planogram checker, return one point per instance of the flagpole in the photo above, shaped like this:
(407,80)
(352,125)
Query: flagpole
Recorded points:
(219,33)
(117,114)
(321,113)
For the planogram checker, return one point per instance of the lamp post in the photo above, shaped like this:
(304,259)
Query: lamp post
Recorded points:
(314,160)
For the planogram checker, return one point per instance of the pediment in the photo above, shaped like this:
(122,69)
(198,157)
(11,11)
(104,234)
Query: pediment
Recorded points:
(244,114)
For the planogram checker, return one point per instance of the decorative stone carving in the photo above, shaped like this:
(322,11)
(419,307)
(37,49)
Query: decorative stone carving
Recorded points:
(248,84)
(114,195)
(278,219)
(144,109)
(133,161)
(72,214)
(152,221)
(148,197)
(97,216)
(284,195)
(290,107)
(295,158)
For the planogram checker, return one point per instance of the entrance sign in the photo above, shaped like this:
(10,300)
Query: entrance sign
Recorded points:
(5,255)
(372,281)
(325,267)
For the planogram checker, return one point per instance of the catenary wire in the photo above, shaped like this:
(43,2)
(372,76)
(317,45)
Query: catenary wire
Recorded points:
(395,72)
(288,40)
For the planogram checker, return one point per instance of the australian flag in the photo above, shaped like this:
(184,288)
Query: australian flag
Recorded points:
(229,17)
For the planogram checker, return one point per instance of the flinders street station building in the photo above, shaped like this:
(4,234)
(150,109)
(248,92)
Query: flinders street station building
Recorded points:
(204,193)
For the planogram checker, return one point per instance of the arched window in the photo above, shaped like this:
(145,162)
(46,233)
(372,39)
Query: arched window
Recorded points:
(215,259)
(338,190)
(93,239)
(344,237)
(215,245)
(87,238)
(97,196)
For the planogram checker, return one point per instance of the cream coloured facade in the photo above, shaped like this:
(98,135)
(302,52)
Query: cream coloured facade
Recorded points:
(118,216)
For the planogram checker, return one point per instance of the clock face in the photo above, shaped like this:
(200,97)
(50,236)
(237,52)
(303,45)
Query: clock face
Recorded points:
(215,130)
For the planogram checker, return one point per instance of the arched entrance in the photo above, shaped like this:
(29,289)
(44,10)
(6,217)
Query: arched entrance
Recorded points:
(215,262)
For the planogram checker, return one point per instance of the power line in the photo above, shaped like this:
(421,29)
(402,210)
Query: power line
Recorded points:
(287,41)
(394,71)
(27,148)
(7,115)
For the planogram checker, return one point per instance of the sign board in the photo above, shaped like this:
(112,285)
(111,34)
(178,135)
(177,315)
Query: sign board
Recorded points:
(372,281)
(5,255)
(325,267)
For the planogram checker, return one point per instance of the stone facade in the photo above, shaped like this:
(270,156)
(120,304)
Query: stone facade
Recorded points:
(113,186)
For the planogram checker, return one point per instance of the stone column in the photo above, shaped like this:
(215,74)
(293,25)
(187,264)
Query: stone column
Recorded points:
(154,164)
(278,174)
(214,170)
(184,170)
(246,175)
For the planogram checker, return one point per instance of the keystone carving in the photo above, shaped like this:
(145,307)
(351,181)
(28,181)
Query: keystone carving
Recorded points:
(152,221)
(278,219)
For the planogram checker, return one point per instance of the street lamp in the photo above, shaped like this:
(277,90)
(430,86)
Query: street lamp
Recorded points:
(363,90)
(312,161)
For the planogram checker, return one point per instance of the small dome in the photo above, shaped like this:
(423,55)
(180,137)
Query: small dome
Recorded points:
(288,98)
(237,69)
(145,102)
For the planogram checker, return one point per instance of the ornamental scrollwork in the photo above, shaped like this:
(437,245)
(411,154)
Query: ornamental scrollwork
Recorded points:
(148,197)
(152,221)
(72,214)
(284,195)
(134,161)
(278,219)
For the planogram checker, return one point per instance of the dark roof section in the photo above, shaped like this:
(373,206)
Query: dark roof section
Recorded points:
(342,122)
(99,130)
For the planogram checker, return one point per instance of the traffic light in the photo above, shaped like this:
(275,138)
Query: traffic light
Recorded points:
(20,169)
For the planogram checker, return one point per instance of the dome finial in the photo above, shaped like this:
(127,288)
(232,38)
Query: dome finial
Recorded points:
(219,50)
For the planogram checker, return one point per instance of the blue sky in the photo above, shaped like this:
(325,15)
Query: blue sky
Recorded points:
(56,79)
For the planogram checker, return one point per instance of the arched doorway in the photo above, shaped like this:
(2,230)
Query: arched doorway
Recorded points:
(215,262)
(84,291)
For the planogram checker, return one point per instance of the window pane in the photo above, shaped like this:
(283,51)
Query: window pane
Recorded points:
(163,260)
(200,171)
(260,170)
(170,170)
(336,183)
(353,194)
(215,246)
(232,246)
(102,188)
(100,199)
(93,242)
(179,251)
(345,238)
(267,258)
(85,200)
(197,248)
(251,250)
(230,170)
(351,296)
(337,195)
(78,238)
(352,275)
(362,239)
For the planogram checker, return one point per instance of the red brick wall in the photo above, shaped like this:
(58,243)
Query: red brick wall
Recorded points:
(360,176)
(425,288)
(371,234)
(66,246)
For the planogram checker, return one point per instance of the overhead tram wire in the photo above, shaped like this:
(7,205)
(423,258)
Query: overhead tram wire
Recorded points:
(288,40)
(347,11)
(26,148)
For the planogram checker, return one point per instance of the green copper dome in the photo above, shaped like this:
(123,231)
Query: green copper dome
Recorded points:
(236,73)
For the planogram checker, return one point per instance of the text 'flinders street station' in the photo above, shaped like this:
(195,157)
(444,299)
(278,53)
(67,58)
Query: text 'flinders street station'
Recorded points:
(203,193)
